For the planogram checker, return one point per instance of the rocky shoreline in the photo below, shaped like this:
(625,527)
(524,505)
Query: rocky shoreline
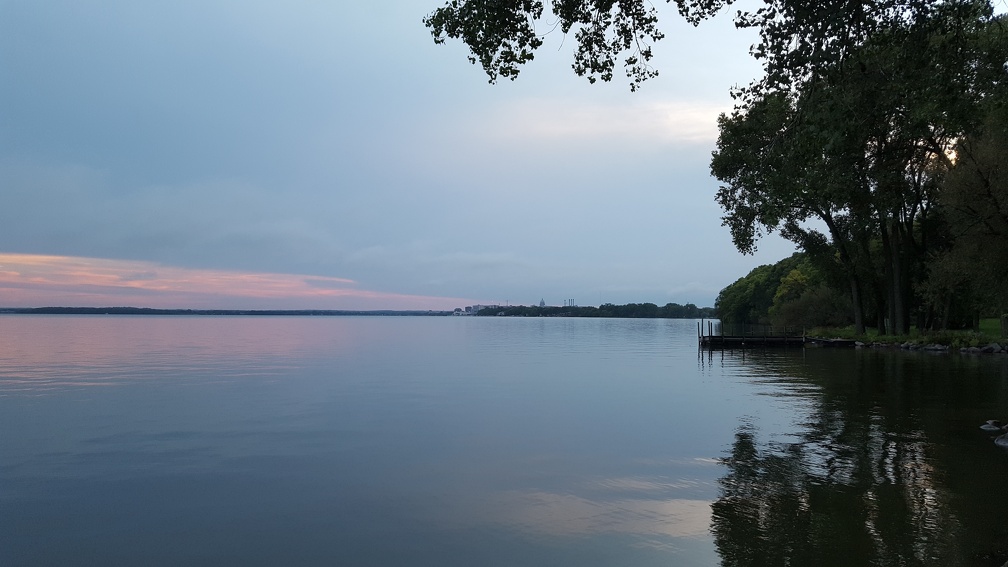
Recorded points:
(991,348)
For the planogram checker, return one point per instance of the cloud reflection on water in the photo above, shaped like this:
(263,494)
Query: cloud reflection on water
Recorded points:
(558,514)
(43,353)
(654,511)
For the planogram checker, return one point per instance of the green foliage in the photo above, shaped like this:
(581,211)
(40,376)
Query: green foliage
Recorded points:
(793,285)
(608,29)
(752,161)
(989,333)
(748,299)
(818,305)
(962,339)
(991,326)
(790,293)
(861,145)
(974,201)
(502,36)
(797,38)
(740,301)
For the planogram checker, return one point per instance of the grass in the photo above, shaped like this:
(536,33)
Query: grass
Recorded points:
(991,326)
(990,332)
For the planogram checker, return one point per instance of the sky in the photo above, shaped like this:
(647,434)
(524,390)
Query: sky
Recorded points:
(328,155)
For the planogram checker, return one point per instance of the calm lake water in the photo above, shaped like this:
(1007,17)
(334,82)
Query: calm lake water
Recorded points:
(485,441)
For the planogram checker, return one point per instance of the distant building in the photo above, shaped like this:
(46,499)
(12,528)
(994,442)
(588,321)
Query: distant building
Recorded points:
(542,303)
(474,309)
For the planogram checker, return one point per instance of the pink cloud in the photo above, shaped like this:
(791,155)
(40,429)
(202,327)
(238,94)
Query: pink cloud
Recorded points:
(28,280)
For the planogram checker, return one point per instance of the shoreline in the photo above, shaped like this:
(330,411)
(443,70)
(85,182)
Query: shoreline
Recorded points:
(990,348)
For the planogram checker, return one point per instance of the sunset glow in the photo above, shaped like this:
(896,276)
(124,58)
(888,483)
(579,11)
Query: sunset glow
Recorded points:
(28,280)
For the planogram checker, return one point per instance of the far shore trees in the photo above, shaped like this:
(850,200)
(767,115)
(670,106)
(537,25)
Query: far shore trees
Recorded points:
(628,311)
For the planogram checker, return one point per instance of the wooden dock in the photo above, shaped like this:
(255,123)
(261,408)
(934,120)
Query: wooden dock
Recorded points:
(716,335)
(748,341)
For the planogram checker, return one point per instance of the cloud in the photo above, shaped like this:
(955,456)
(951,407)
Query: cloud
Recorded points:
(553,120)
(28,280)
(255,139)
(139,276)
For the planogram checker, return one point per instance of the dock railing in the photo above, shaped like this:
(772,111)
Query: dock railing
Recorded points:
(718,334)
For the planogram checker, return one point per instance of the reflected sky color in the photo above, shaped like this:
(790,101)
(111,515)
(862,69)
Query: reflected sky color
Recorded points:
(459,441)
(305,427)
(28,280)
(560,514)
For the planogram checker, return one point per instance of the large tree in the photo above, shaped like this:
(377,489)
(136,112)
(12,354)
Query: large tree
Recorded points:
(783,173)
(860,148)
(966,277)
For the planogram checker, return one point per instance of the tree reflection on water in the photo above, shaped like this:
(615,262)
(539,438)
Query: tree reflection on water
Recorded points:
(889,467)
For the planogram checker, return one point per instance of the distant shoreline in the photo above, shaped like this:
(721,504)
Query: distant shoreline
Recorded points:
(227,312)
(607,311)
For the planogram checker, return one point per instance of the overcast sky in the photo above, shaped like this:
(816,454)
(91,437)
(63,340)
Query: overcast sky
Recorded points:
(248,154)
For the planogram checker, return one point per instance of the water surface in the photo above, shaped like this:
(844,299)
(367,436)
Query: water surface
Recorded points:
(485,441)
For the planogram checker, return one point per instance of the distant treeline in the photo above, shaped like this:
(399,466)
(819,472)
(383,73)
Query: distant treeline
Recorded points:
(149,311)
(628,311)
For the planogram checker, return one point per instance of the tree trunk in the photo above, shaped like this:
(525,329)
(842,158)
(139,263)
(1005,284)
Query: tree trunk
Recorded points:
(901,324)
(881,303)
(890,303)
(850,266)
(859,327)
(946,311)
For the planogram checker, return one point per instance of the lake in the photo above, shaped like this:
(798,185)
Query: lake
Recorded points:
(460,441)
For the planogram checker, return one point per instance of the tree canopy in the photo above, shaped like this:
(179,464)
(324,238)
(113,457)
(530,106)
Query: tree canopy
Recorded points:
(797,38)
(863,149)
(793,292)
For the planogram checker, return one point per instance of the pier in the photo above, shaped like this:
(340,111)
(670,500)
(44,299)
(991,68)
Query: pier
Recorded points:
(718,335)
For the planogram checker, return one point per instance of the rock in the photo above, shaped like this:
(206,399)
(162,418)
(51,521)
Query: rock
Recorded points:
(991,348)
